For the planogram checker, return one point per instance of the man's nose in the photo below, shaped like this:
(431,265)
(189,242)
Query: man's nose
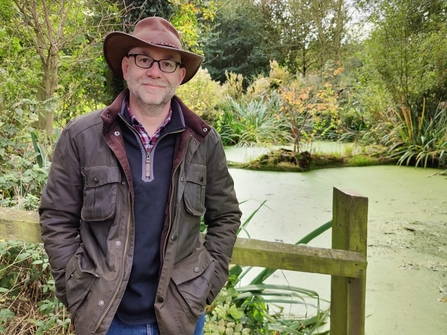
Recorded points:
(154,69)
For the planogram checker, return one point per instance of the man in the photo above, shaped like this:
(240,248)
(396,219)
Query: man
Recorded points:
(128,185)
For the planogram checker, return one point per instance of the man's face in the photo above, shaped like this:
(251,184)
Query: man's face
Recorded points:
(152,87)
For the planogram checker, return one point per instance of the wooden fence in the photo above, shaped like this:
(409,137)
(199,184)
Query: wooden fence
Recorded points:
(345,262)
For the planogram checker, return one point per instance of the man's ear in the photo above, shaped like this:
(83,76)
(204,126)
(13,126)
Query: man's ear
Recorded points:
(125,67)
(182,74)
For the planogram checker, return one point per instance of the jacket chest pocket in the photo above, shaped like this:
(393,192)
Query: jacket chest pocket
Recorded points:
(194,194)
(100,192)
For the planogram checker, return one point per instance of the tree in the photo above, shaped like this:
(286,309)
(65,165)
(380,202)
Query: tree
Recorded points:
(407,48)
(312,32)
(56,30)
(237,42)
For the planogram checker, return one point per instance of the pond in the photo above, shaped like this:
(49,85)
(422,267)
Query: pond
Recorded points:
(407,234)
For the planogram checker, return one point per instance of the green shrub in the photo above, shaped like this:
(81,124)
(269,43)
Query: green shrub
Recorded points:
(416,139)
(24,168)
(27,301)
(256,122)
(203,96)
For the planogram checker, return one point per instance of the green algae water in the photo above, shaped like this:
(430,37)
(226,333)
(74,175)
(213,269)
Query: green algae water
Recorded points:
(407,234)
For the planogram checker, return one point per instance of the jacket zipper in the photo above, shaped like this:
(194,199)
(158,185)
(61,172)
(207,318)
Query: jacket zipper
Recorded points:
(121,278)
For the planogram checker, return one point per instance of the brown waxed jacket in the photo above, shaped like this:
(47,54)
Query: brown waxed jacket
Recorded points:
(87,222)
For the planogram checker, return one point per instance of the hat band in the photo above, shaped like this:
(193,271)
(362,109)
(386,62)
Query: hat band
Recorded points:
(166,44)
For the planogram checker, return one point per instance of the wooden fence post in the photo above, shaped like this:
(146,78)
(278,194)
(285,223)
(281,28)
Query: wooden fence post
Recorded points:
(349,232)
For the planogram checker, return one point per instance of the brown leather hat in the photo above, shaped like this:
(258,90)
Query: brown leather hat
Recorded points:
(153,31)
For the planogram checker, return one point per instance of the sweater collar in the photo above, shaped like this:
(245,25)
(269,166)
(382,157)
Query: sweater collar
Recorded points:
(177,122)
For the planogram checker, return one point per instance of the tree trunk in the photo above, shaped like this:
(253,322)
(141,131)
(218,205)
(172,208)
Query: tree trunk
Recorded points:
(338,30)
(46,91)
(319,11)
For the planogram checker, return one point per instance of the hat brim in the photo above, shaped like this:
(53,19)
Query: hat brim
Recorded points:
(118,44)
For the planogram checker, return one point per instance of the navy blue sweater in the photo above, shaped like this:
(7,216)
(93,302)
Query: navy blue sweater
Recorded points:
(151,196)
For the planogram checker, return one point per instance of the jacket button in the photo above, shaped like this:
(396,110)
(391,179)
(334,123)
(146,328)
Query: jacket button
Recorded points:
(205,130)
(96,180)
(117,133)
(160,299)
(118,243)
(173,238)
(101,303)
(196,269)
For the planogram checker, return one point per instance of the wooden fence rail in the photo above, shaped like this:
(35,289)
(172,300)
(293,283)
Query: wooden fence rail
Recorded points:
(345,262)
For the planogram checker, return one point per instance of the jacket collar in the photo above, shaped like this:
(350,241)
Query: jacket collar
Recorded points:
(183,117)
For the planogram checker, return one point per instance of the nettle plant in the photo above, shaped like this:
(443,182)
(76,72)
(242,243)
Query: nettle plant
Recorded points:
(27,301)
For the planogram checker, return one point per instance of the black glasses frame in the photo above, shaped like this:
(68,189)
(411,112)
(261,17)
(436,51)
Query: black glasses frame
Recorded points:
(177,64)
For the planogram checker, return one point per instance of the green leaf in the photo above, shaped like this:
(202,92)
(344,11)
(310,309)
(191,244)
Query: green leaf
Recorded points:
(235,312)
(6,314)
(23,256)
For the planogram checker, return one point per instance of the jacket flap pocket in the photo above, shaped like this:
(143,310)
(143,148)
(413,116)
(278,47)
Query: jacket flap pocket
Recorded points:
(192,266)
(100,192)
(96,176)
(196,173)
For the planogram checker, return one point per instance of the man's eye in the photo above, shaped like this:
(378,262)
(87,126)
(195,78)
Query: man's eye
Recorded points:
(145,60)
(167,64)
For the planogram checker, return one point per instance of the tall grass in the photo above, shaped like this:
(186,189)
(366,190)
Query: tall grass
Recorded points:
(256,122)
(417,139)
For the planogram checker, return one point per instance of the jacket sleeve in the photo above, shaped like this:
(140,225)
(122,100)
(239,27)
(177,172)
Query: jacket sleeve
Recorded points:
(60,209)
(222,215)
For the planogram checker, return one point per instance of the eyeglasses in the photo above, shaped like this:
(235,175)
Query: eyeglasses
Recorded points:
(146,62)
